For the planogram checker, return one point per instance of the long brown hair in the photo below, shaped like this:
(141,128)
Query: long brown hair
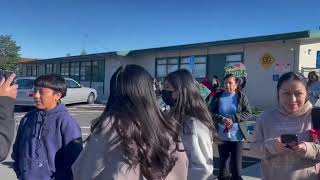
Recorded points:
(146,134)
(189,102)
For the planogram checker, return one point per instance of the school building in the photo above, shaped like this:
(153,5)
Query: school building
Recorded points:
(265,59)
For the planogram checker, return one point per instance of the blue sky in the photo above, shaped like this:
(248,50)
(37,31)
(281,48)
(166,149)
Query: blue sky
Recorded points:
(48,29)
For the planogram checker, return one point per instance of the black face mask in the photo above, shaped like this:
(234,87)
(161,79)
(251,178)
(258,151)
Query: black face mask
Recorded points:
(167,98)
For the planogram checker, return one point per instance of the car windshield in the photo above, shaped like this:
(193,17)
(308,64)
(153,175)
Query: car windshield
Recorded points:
(25,83)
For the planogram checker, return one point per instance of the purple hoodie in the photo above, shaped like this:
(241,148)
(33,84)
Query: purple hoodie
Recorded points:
(46,145)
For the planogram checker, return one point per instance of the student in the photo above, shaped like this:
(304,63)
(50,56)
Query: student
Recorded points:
(132,139)
(197,131)
(313,88)
(292,116)
(46,143)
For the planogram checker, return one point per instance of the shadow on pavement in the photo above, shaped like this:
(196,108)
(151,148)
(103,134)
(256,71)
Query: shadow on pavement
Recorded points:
(8,163)
(246,162)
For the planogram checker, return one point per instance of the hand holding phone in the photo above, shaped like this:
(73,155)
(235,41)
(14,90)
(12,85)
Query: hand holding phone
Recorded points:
(6,87)
(6,75)
(290,140)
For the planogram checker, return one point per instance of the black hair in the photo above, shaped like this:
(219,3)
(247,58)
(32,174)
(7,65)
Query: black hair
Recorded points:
(53,81)
(312,75)
(242,83)
(189,102)
(235,78)
(145,132)
(291,76)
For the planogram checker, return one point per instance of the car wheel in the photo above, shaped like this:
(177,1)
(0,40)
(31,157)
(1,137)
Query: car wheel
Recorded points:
(91,98)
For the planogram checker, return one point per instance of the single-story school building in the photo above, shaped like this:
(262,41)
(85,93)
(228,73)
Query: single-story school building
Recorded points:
(264,57)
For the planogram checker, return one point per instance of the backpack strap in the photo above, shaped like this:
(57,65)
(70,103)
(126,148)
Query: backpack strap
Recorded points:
(315,116)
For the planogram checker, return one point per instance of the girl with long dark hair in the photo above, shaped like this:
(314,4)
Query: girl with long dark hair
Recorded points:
(187,106)
(132,139)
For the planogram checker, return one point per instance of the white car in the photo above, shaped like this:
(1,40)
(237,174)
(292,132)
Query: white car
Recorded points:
(75,92)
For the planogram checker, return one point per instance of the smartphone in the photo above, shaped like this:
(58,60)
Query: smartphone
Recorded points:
(289,140)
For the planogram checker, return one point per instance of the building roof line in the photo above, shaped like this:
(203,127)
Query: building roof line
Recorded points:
(263,38)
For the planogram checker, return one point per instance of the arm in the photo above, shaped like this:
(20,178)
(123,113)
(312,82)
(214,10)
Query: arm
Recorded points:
(246,111)
(201,153)
(71,148)
(8,95)
(213,107)
(312,150)
(7,124)
(16,147)
(260,145)
(180,169)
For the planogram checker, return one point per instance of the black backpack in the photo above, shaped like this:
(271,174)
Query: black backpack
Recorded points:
(315,116)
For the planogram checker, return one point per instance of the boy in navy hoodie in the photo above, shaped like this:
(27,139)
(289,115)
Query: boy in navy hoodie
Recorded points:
(48,138)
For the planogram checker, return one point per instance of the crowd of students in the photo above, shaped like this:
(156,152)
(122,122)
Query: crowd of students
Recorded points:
(135,139)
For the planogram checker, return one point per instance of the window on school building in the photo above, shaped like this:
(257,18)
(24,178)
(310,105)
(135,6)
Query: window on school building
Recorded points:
(51,68)
(98,71)
(74,70)
(166,65)
(234,58)
(197,65)
(85,71)
(200,66)
(31,70)
(64,69)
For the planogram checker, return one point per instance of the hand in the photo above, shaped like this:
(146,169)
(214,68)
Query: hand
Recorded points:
(6,89)
(227,122)
(280,147)
(300,148)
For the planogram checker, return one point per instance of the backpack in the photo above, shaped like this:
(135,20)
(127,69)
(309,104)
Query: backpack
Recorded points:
(315,131)
(315,116)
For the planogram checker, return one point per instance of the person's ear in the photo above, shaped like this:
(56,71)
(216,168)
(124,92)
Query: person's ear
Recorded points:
(58,96)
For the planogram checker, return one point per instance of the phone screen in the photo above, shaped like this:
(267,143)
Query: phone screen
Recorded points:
(289,139)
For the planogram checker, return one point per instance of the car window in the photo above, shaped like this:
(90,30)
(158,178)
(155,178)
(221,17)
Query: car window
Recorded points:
(25,83)
(72,84)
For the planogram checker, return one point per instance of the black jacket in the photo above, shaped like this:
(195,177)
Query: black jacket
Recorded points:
(244,111)
(7,125)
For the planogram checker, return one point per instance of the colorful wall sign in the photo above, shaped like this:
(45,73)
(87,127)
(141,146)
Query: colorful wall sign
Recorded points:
(238,69)
(267,60)
(279,69)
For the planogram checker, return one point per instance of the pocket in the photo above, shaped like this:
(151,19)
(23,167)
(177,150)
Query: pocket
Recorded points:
(37,169)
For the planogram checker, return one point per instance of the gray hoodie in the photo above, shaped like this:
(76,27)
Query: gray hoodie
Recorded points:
(289,165)
(197,141)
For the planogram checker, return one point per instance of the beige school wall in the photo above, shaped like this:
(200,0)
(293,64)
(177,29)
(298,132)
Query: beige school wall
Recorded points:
(260,87)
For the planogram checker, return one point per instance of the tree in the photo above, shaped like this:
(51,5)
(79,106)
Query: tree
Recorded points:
(9,53)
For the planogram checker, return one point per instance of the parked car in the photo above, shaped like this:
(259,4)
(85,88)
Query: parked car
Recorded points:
(75,93)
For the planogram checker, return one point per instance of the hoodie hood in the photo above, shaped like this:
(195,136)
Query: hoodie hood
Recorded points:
(59,108)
